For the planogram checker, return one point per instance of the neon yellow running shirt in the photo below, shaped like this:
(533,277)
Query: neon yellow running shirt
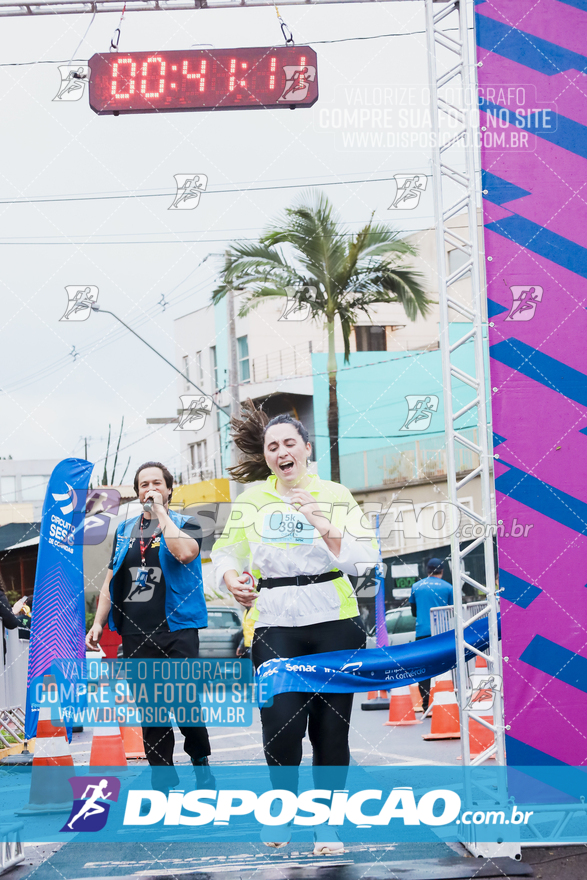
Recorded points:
(268,537)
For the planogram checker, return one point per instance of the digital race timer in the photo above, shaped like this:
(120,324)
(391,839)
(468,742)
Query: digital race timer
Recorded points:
(203,79)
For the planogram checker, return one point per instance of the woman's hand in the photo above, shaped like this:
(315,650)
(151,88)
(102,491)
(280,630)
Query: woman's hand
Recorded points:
(307,504)
(241,588)
(310,508)
(93,637)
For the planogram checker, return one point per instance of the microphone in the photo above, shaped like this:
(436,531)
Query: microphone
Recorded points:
(148,505)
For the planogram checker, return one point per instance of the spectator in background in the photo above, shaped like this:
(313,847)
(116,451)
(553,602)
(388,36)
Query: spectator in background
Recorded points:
(427,593)
(8,615)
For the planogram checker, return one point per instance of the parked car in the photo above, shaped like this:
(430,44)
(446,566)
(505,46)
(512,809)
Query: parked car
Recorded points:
(400,625)
(223,634)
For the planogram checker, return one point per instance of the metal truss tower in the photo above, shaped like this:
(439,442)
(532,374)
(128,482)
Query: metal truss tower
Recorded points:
(453,98)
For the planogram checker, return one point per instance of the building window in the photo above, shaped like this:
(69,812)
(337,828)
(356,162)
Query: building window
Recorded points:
(244,373)
(33,487)
(8,488)
(198,456)
(214,367)
(186,369)
(199,371)
(371,338)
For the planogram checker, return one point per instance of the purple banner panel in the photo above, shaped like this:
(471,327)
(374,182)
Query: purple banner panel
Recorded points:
(532,57)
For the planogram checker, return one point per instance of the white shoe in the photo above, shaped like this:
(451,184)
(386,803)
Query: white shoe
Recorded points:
(269,833)
(333,847)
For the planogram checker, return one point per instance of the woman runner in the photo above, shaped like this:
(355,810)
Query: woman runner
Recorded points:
(298,535)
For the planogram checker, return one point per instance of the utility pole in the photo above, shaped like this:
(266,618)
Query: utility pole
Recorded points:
(232,379)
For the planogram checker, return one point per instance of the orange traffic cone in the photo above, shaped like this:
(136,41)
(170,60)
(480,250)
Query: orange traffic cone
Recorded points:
(401,710)
(132,737)
(445,710)
(107,748)
(480,737)
(50,791)
(416,698)
(376,700)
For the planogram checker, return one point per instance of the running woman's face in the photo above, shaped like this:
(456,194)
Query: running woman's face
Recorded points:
(286,453)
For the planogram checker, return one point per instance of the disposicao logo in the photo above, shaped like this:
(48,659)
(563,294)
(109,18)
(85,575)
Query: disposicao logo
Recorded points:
(90,806)
(206,806)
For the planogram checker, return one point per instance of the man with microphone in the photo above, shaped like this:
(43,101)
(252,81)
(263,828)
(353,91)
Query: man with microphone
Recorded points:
(153,595)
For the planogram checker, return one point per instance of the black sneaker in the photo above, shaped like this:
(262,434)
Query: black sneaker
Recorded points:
(204,776)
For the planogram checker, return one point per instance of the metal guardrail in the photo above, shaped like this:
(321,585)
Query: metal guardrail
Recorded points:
(13,681)
(442,619)
(403,461)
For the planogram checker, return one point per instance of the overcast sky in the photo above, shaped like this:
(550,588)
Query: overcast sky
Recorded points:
(133,248)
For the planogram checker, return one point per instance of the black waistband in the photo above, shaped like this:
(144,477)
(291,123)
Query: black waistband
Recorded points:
(301,580)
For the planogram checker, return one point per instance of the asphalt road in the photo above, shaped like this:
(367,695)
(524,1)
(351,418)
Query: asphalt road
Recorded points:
(371,744)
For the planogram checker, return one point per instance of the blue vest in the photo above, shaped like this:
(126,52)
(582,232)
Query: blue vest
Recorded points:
(185,606)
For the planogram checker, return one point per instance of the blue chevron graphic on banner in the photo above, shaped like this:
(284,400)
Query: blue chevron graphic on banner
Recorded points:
(501,191)
(557,661)
(560,130)
(58,619)
(526,49)
(516,590)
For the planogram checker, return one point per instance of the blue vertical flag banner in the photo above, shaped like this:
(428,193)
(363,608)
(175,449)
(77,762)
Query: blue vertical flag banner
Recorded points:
(58,618)
(380,627)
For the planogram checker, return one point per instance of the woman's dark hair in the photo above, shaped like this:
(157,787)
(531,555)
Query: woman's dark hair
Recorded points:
(149,464)
(248,432)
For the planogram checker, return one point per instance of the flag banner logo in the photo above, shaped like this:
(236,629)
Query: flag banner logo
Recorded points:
(58,623)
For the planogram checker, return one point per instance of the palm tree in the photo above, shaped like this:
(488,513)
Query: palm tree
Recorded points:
(334,272)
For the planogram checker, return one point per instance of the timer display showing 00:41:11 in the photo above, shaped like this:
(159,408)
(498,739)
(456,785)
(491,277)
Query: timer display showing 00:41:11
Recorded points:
(202,79)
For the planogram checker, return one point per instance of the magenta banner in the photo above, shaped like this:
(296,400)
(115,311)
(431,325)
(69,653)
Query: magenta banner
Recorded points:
(533,114)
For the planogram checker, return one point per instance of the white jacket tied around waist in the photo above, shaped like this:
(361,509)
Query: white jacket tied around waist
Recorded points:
(268,537)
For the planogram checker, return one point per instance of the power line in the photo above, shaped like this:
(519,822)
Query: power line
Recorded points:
(168,194)
(307,43)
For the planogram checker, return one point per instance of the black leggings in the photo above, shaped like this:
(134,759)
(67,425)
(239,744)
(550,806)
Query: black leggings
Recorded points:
(325,715)
(160,741)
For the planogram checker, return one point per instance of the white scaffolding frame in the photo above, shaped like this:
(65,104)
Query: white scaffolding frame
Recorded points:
(455,192)
(71,7)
